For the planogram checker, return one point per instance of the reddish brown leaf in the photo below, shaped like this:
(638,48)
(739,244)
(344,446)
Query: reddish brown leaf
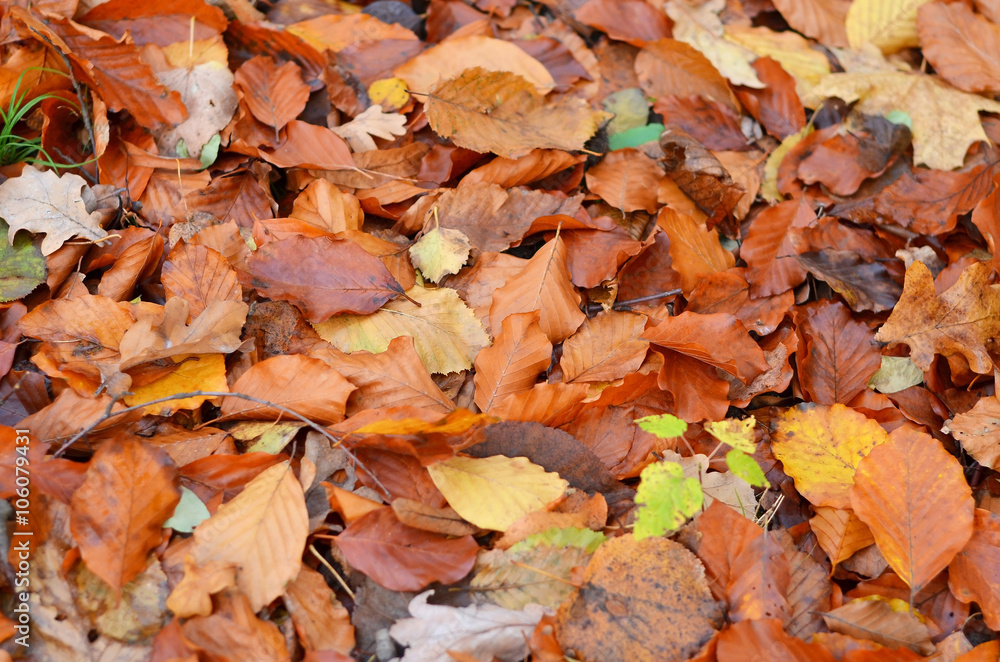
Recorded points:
(777,107)
(275,95)
(199,275)
(117,515)
(519,354)
(962,46)
(719,339)
(768,251)
(630,21)
(669,67)
(767,640)
(729,292)
(627,180)
(160,23)
(402,558)
(972,575)
(322,277)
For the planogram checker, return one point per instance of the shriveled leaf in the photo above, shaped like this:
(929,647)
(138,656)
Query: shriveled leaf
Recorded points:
(323,277)
(117,514)
(913,496)
(44,202)
(494,492)
(262,531)
(445,331)
(501,112)
(820,448)
(402,558)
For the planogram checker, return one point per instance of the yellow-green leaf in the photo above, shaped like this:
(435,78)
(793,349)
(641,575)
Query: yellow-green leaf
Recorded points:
(446,333)
(666,499)
(736,433)
(440,252)
(820,448)
(494,492)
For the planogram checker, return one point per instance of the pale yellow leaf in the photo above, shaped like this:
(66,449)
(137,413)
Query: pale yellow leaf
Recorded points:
(372,122)
(889,24)
(44,202)
(445,331)
(945,120)
(791,51)
(494,492)
(262,531)
(440,252)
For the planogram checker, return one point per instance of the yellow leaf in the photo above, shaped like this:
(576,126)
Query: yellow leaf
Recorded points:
(702,28)
(820,448)
(445,331)
(769,187)
(501,112)
(206,372)
(738,434)
(262,531)
(390,93)
(945,120)
(889,24)
(440,252)
(494,492)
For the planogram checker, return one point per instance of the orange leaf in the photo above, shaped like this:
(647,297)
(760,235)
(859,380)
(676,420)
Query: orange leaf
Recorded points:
(519,354)
(275,95)
(605,348)
(766,640)
(199,275)
(631,21)
(671,67)
(695,250)
(309,146)
(306,386)
(978,430)
(544,285)
(117,514)
(320,620)
(160,23)
(840,532)
(974,572)
(963,47)
(627,179)
(913,496)
(771,264)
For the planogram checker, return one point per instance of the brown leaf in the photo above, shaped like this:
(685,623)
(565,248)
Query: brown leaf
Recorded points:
(878,621)
(428,518)
(501,112)
(543,285)
(117,514)
(534,166)
(728,292)
(304,385)
(605,348)
(972,575)
(840,532)
(309,146)
(518,355)
(766,639)
(402,558)
(320,620)
(913,496)
(627,180)
(758,585)
(864,285)
(718,339)
(199,275)
(631,21)
(820,19)
(962,46)
(962,321)
(275,95)
(235,630)
(768,251)
(323,277)
(626,610)
(695,251)
(838,355)
(160,23)
(777,107)
(669,67)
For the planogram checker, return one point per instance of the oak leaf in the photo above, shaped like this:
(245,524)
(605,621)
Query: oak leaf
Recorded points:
(964,320)
(501,112)
(978,430)
(44,202)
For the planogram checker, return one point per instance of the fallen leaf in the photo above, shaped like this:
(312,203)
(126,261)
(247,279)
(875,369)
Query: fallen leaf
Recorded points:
(978,430)
(913,496)
(480,631)
(627,180)
(767,638)
(890,25)
(604,348)
(701,27)
(821,447)
(207,92)
(961,321)
(972,573)
(520,353)
(274,94)
(960,45)
(22,267)
(820,19)
(840,532)
(494,492)
(887,622)
(439,253)
(44,202)
(501,112)
(319,618)
(445,331)
(678,613)
(402,558)
(323,277)
(516,578)
(372,122)
(695,250)
(262,531)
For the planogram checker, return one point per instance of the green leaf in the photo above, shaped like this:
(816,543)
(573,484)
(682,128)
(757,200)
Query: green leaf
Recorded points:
(666,498)
(585,539)
(22,267)
(735,433)
(189,513)
(635,137)
(745,467)
(663,426)
(210,151)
